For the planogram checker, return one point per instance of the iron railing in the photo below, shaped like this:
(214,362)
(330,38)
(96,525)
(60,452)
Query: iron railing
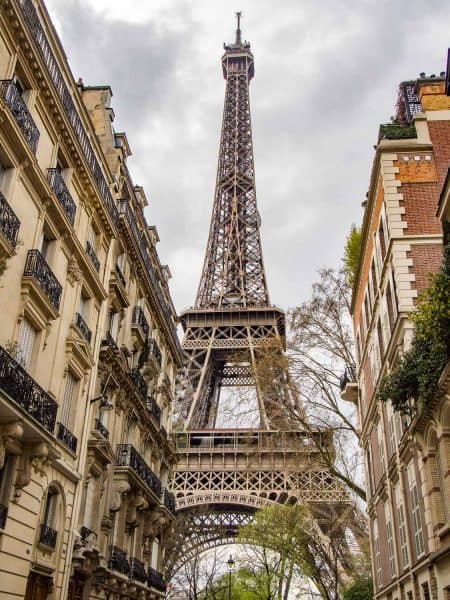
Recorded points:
(24,390)
(118,560)
(48,536)
(68,105)
(155,579)
(139,382)
(58,185)
(348,376)
(66,437)
(83,328)
(140,320)
(121,276)
(128,456)
(155,351)
(9,223)
(168,500)
(101,429)
(91,253)
(153,407)
(137,570)
(37,267)
(109,341)
(13,99)
(3,515)
(125,210)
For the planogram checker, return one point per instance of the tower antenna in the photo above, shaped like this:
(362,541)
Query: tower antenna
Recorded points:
(238,30)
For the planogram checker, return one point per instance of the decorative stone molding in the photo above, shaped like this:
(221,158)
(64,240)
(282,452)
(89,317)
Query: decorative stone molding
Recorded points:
(74,272)
(119,490)
(10,431)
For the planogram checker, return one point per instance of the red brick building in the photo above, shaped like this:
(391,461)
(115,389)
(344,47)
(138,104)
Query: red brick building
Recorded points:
(407,466)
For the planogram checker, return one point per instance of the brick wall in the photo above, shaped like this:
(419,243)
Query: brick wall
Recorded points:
(420,201)
(440,136)
(426,259)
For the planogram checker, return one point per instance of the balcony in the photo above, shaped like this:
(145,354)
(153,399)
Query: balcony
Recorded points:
(153,408)
(140,383)
(91,253)
(47,536)
(169,500)
(140,324)
(58,185)
(38,270)
(348,384)
(83,328)
(127,456)
(121,276)
(155,580)
(101,429)
(66,437)
(118,560)
(110,342)
(3,515)
(137,570)
(153,358)
(28,394)
(12,97)
(9,223)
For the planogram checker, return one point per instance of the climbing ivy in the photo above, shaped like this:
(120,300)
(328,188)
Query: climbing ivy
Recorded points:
(417,373)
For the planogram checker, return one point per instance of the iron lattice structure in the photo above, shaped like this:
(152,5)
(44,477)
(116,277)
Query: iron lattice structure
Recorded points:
(223,476)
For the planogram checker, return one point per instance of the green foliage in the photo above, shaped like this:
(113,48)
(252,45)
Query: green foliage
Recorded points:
(417,373)
(351,253)
(361,589)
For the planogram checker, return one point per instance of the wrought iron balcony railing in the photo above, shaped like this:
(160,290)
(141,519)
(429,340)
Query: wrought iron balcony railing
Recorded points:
(37,267)
(44,47)
(24,390)
(121,276)
(83,328)
(348,376)
(3,515)
(153,407)
(9,223)
(168,500)
(66,437)
(109,341)
(155,579)
(91,253)
(101,429)
(139,382)
(48,536)
(140,320)
(58,185)
(128,456)
(137,570)
(125,210)
(13,99)
(118,560)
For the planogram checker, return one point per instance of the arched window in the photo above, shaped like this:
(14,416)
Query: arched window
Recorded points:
(48,533)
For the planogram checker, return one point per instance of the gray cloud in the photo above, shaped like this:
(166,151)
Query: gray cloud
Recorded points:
(326,76)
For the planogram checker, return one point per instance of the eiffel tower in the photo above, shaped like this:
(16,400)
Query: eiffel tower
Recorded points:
(223,476)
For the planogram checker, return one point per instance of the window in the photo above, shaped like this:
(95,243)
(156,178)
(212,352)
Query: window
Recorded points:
(377,554)
(380,338)
(92,237)
(25,343)
(48,533)
(83,305)
(390,539)
(114,324)
(69,392)
(391,428)
(442,491)
(415,507)
(426,591)
(381,446)
(6,479)
(382,239)
(155,552)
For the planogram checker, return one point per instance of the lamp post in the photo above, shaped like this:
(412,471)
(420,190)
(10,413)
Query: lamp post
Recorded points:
(230,565)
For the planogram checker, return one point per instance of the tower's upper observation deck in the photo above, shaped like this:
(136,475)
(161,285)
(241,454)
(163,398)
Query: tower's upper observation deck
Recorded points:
(238,57)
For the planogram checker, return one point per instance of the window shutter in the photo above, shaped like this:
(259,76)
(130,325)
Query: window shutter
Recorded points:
(66,409)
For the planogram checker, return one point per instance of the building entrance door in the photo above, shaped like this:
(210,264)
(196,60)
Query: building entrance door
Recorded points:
(38,587)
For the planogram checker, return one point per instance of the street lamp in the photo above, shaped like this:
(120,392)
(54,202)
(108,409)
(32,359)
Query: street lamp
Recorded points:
(230,565)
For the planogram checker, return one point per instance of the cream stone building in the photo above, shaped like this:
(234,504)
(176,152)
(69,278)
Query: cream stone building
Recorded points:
(88,346)
(407,457)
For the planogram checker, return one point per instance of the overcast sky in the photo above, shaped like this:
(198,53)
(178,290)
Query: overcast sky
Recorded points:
(326,75)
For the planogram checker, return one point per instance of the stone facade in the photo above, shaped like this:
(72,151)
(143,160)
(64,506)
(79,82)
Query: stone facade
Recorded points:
(88,346)
(407,459)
